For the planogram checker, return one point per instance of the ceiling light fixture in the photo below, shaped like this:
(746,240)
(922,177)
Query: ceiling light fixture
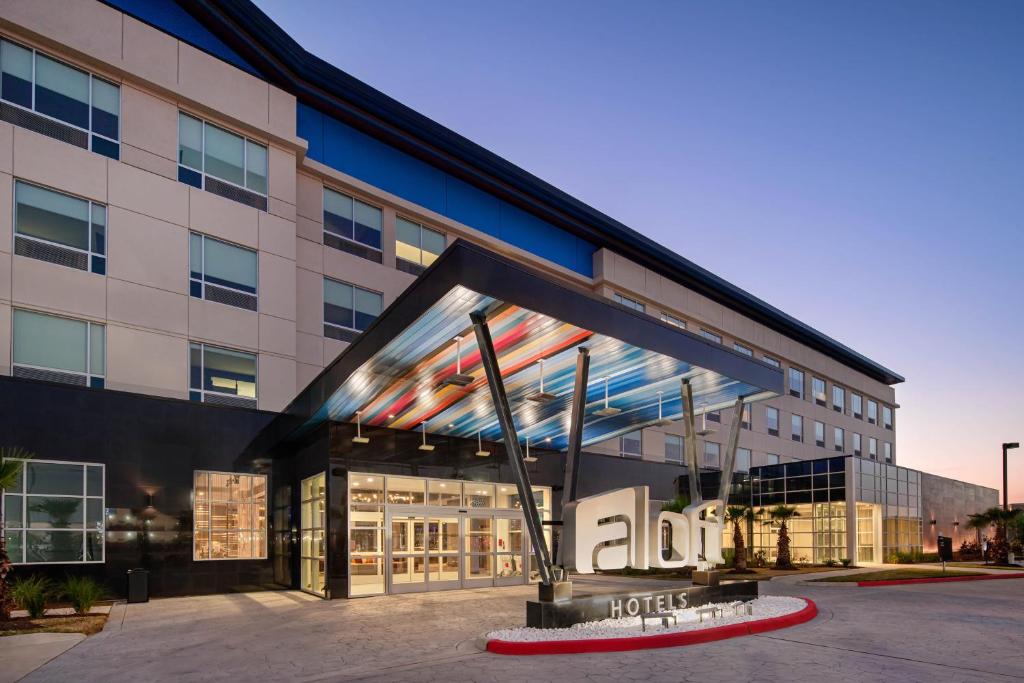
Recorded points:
(704,429)
(458,379)
(480,446)
(359,438)
(607,411)
(425,446)
(541,396)
(661,418)
(528,457)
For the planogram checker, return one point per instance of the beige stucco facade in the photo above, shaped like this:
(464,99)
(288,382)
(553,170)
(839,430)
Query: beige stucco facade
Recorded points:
(143,299)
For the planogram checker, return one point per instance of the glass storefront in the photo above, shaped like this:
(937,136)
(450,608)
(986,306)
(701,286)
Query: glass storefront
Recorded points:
(313,518)
(411,534)
(895,494)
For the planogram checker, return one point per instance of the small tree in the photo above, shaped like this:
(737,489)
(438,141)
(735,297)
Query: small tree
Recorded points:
(677,504)
(739,515)
(1001,519)
(782,514)
(10,468)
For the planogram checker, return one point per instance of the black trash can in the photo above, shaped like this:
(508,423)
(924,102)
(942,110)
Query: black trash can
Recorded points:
(138,585)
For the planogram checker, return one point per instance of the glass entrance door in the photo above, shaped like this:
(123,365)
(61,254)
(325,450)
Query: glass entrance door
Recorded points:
(312,556)
(408,553)
(443,553)
(478,550)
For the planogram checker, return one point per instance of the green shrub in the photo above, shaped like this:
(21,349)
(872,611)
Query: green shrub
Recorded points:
(83,592)
(846,562)
(729,555)
(31,594)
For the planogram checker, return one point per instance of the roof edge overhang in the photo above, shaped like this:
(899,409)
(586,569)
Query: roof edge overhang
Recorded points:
(316,82)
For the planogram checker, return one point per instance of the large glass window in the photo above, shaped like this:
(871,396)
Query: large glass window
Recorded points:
(59,228)
(631,445)
(221,375)
(818,390)
(771,416)
(208,151)
(673,320)
(856,444)
(872,412)
(887,451)
(745,350)
(887,417)
(673,448)
(313,534)
(712,454)
(230,516)
(59,349)
(838,399)
(33,81)
(348,309)
(839,439)
(352,225)
(856,405)
(713,336)
(774,362)
(222,272)
(873,448)
(628,302)
(54,513)
(747,422)
(796,382)
(742,460)
(797,428)
(416,246)
(819,434)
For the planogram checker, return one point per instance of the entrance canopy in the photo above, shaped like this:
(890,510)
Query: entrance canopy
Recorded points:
(418,365)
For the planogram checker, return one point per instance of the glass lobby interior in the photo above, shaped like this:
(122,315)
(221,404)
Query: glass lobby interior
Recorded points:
(409,534)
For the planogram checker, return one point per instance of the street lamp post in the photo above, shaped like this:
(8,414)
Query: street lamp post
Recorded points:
(1006,497)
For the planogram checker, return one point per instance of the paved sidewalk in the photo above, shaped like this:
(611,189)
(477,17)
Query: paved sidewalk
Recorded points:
(21,655)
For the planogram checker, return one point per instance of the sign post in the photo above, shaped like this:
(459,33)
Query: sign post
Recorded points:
(945,551)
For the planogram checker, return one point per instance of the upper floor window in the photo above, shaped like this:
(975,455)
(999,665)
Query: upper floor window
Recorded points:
(797,428)
(57,349)
(839,439)
(819,434)
(54,513)
(838,399)
(629,303)
(772,459)
(856,444)
(796,382)
(856,405)
(672,320)
(230,516)
(742,460)
(348,310)
(58,228)
(774,362)
(887,451)
(713,336)
(887,417)
(873,448)
(222,272)
(673,448)
(818,390)
(45,91)
(223,376)
(771,417)
(631,445)
(747,420)
(221,162)
(872,412)
(416,246)
(746,351)
(712,454)
(353,226)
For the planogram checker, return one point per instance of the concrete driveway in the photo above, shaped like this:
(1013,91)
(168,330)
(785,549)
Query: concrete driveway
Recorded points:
(949,632)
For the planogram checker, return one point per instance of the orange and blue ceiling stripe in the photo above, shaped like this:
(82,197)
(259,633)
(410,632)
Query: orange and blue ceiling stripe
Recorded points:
(403,386)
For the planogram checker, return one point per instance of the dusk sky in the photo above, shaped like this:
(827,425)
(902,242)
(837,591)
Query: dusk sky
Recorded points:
(858,165)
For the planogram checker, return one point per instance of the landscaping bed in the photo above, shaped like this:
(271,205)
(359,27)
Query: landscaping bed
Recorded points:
(894,575)
(56,623)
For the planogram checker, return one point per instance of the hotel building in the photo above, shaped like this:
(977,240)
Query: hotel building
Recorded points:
(199,222)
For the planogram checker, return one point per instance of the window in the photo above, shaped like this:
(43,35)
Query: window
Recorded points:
(348,310)
(416,246)
(222,272)
(712,454)
(887,417)
(672,320)
(631,445)
(819,434)
(742,460)
(55,349)
(714,416)
(224,163)
(54,513)
(743,349)
(873,448)
(872,412)
(221,376)
(708,334)
(352,226)
(771,361)
(58,228)
(887,451)
(839,439)
(856,444)
(230,516)
(818,390)
(772,459)
(746,424)
(796,382)
(838,399)
(673,448)
(58,92)
(629,303)
(797,428)
(856,405)
(771,416)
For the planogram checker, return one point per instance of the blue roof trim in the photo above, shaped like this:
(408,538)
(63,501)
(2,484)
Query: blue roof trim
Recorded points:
(323,87)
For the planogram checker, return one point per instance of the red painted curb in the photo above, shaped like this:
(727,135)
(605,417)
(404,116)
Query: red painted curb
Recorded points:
(570,647)
(941,579)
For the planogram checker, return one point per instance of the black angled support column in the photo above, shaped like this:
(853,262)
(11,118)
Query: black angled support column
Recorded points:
(729,464)
(572,453)
(690,443)
(515,454)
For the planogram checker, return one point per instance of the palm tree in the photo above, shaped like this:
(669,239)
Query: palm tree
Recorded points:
(782,514)
(739,515)
(1001,519)
(677,504)
(10,469)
